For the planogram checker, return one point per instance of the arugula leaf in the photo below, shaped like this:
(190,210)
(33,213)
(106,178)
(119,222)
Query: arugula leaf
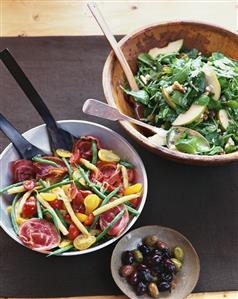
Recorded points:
(140,96)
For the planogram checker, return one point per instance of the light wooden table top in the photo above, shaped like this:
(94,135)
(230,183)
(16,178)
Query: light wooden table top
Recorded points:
(60,17)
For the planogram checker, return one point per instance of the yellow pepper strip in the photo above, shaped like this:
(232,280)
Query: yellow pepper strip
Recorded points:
(91,202)
(77,176)
(20,220)
(63,153)
(90,166)
(20,189)
(48,196)
(125,176)
(65,242)
(136,188)
(74,218)
(9,210)
(44,203)
(22,202)
(108,156)
(82,217)
(83,242)
(114,204)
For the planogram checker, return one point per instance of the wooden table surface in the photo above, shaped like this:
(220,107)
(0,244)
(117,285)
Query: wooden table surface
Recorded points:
(60,17)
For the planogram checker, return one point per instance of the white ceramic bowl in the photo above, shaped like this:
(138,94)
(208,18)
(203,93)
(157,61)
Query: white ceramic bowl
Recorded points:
(186,278)
(38,136)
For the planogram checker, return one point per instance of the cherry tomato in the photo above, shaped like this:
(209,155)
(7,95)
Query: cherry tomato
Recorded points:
(89,220)
(30,208)
(135,202)
(73,231)
(57,204)
(67,219)
(29,184)
(131,175)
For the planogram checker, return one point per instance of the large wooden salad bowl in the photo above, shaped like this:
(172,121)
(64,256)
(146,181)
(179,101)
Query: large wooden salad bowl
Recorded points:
(205,37)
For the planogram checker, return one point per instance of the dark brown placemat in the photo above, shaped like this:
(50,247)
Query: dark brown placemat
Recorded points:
(200,202)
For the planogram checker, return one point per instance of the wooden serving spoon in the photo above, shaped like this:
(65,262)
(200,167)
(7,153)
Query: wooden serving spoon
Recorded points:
(111,39)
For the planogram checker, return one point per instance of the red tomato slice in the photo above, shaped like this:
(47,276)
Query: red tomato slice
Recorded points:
(29,184)
(22,170)
(107,217)
(57,204)
(30,208)
(73,231)
(39,234)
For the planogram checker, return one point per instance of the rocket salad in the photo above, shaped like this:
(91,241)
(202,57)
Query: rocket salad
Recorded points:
(72,200)
(191,96)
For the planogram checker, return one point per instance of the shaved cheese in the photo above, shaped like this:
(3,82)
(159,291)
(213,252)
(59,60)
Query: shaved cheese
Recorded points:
(62,228)
(20,189)
(114,204)
(68,207)
(124,176)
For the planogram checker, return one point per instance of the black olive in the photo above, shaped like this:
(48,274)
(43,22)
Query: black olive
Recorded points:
(159,268)
(127,257)
(133,278)
(141,288)
(141,267)
(156,251)
(166,254)
(161,245)
(156,259)
(146,276)
(145,250)
(168,277)
(169,266)
(164,286)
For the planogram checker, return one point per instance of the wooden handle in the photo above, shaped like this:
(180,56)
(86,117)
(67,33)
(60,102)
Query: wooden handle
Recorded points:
(111,39)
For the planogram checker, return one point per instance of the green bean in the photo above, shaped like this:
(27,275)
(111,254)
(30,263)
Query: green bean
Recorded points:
(95,152)
(131,210)
(105,231)
(106,200)
(60,250)
(10,186)
(60,217)
(62,183)
(90,184)
(53,218)
(13,213)
(70,171)
(126,164)
(43,183)
(45,161)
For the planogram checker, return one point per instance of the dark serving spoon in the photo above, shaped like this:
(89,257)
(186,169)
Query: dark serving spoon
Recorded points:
(58,137)
(25,149)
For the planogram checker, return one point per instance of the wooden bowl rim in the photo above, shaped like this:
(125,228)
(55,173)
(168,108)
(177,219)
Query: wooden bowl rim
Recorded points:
(131,129)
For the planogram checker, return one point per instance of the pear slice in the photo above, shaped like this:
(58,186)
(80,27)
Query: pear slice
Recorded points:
(168,99)
(159,138)
(172,47)
(175,133)
(192,114)
(212,81)
(223,119)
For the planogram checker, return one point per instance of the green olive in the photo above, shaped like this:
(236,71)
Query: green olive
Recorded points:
(153,290)
(138,256)
(178,264)
(178,253)
(150,240)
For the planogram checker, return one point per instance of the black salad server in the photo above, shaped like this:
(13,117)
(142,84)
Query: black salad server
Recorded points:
(59,138)
(25,149)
